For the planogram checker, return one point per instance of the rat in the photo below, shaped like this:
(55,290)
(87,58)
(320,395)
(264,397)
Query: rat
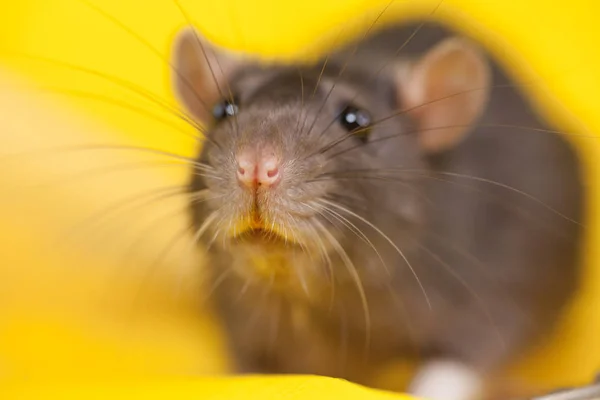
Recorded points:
(397,198)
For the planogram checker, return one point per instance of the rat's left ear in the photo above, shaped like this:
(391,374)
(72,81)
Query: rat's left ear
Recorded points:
(201,73)
(445,92)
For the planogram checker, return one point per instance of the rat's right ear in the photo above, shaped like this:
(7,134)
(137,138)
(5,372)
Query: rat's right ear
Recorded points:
(200,73)
(445,91)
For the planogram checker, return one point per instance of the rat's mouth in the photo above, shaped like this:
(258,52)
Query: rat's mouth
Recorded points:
(262,235)
(257,232)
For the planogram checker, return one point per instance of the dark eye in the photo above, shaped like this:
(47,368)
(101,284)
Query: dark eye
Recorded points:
(224,109)
(356,121)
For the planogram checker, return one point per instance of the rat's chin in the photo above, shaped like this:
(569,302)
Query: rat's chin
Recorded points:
(263,238)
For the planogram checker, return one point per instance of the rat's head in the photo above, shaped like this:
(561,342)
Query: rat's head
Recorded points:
(294,154)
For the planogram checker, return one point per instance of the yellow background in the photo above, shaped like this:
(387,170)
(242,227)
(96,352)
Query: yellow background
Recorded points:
(90,312)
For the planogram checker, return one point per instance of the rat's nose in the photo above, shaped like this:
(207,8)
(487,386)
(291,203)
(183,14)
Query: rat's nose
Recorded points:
(257,170)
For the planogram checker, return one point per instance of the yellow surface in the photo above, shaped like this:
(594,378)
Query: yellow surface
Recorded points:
(102,312)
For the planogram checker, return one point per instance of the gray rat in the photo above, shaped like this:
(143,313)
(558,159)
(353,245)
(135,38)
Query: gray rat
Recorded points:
(376,205)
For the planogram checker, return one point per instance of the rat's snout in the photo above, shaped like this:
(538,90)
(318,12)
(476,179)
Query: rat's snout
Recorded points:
(258,167)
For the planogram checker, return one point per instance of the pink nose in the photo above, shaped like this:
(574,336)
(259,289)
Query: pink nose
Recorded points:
(261,170)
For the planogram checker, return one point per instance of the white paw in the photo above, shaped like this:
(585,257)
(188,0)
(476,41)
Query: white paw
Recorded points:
(446,380)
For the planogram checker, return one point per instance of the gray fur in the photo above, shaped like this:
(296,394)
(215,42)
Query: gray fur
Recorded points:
(508,264)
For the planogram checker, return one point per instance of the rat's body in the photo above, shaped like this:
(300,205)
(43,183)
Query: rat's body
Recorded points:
(491,263)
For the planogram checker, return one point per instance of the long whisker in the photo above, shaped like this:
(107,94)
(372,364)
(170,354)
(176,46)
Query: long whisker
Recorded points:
(196,197)
(415,131)
(193,243)
(506,205)
(303,246)
(129,250)
(355,277)
(490,182)
(121,104)
(402,112)
(254,318)
(401,307)
(178,237)
(216,284)
(136,89)
(335,176)
(141,200)
(390,59)
(275,316)
(492,197)
(244,289)
(301,113)
(204,227)
(354,229)
(154,50)
(73,178)
(319,78)
(328,263)
(466,285)
(212,72)
(343,362)
(387,238)
(512,189)
(346,63)
(110,147)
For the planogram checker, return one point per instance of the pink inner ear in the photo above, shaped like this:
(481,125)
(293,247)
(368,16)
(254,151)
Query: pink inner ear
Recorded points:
(447,91)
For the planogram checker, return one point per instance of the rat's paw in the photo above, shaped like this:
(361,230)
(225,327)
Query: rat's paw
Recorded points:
(447,380)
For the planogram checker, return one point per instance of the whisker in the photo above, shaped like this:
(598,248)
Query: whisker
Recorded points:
(297,129)
(275,316)
(390,59)
(254,318)
(120,104)
(216,284)
(110,147)
(203,48)
(512,189)
(154,50)
(193,243)
(145,198)
(244,289)
(469,257)
(129,250)
(336,177)
(74,178)
(123,83)
(343,338)
(404,133)
(519,211)
(461,251)
(204,227)
(177,237)
(328,262)
(345,137)
(468,287)
(218,231)
(355,277)
(303,246)
(196,197)
(345,64)
(319,78)
(357,231)
(386,237)
(401,307)
(426,174)
(497,184)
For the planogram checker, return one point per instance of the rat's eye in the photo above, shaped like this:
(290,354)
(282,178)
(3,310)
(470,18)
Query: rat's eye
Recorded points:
(224,109)
(357,121)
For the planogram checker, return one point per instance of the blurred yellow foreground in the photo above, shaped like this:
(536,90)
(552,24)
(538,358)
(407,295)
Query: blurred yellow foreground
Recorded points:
(90,317)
